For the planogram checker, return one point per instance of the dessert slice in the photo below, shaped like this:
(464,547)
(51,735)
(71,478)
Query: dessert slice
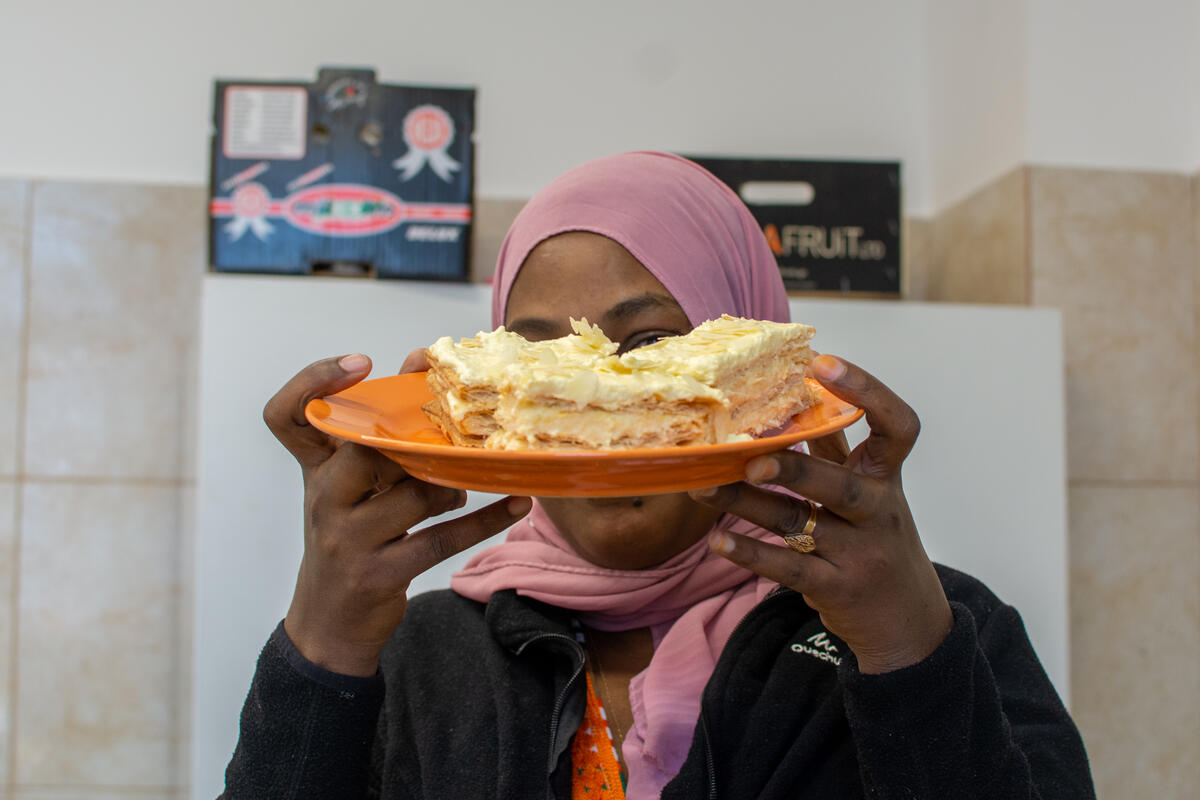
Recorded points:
(605,405)
(727,378)
(759,367)
(466,378)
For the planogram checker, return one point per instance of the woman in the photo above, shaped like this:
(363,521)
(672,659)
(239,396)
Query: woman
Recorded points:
(726,665)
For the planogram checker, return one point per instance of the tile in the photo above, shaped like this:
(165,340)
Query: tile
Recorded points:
(13,226)
(8,574)
(1113,250)
(188,374)
(98,649)
(980,250)
(91,793)
(114,307)
(184,627)
(493,216)
(916,246)
(1135,636)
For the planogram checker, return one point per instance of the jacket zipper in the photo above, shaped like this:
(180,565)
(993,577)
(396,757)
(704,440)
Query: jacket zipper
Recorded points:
(709,758)
(560,701)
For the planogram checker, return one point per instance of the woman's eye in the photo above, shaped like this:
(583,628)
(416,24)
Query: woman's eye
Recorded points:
(642,340)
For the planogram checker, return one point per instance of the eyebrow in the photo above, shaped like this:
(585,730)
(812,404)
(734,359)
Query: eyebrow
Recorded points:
(535,326)
(636,305)
(624,310)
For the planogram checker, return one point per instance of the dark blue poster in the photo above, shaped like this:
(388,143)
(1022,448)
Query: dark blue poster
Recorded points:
(342,175)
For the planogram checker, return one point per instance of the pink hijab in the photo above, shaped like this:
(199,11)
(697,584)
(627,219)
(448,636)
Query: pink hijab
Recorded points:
(695,235)
(683,224)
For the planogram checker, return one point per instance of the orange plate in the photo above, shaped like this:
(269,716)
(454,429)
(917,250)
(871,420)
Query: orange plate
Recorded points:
(385,413)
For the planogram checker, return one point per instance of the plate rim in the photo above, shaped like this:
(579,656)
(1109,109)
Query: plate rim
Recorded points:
(850,415)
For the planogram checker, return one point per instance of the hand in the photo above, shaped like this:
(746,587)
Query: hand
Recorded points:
(359,507)
(869,576)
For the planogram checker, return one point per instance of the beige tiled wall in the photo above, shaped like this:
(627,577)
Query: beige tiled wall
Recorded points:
(8,576)
(97,656)
(113,310)
(103,369)
(1113,250)
(980,245)
(92,793)
(13,237)
(1117,252)
(492,218)
(1135,635)
(99,307)
(916,258)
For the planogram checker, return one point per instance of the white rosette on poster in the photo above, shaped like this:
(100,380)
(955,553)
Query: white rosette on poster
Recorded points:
(251,204)
(428,131)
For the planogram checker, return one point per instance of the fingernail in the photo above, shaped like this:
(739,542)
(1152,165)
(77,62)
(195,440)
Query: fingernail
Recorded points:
(519,506)
(762,469)
(828,368)
(720,542)
(356,362)
(704,491)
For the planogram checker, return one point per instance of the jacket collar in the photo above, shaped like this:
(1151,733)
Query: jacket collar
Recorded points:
(515,620)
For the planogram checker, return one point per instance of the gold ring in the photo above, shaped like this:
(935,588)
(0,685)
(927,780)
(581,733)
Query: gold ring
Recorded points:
(803,542)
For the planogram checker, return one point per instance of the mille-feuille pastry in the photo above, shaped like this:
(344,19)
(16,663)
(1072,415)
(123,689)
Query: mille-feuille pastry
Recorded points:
(466,378)
(727,379)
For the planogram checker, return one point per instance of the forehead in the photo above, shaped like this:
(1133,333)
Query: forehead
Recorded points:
(578,274)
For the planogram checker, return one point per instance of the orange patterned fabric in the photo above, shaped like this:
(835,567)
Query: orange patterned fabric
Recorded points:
(593,757)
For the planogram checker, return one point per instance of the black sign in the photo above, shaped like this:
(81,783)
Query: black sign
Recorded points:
(834,226)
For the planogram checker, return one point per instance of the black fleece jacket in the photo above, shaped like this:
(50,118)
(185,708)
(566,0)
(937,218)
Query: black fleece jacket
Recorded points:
(481,701)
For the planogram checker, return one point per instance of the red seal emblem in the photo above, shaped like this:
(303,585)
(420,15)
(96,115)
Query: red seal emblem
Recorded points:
(251,200)
(428,128)
(251,204)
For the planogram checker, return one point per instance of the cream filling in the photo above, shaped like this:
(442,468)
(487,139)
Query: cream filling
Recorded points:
(525,426)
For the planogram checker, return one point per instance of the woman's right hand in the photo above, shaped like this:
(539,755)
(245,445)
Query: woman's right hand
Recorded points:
(359,508)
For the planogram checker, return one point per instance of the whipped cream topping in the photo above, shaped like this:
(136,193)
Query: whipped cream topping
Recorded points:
(583,369)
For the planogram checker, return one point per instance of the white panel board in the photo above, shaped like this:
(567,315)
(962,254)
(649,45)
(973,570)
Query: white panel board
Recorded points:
(986,481)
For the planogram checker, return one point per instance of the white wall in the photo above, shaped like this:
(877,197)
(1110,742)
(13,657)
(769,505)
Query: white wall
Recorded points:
(1115,83)
(1107,84)
(978,94)
(122,89)
(959,90)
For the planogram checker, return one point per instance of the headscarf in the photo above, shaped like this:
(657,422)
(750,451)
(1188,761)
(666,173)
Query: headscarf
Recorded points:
(690,230)
(695,236)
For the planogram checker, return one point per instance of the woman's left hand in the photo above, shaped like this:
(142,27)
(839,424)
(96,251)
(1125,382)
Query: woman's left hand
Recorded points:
(868,576)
